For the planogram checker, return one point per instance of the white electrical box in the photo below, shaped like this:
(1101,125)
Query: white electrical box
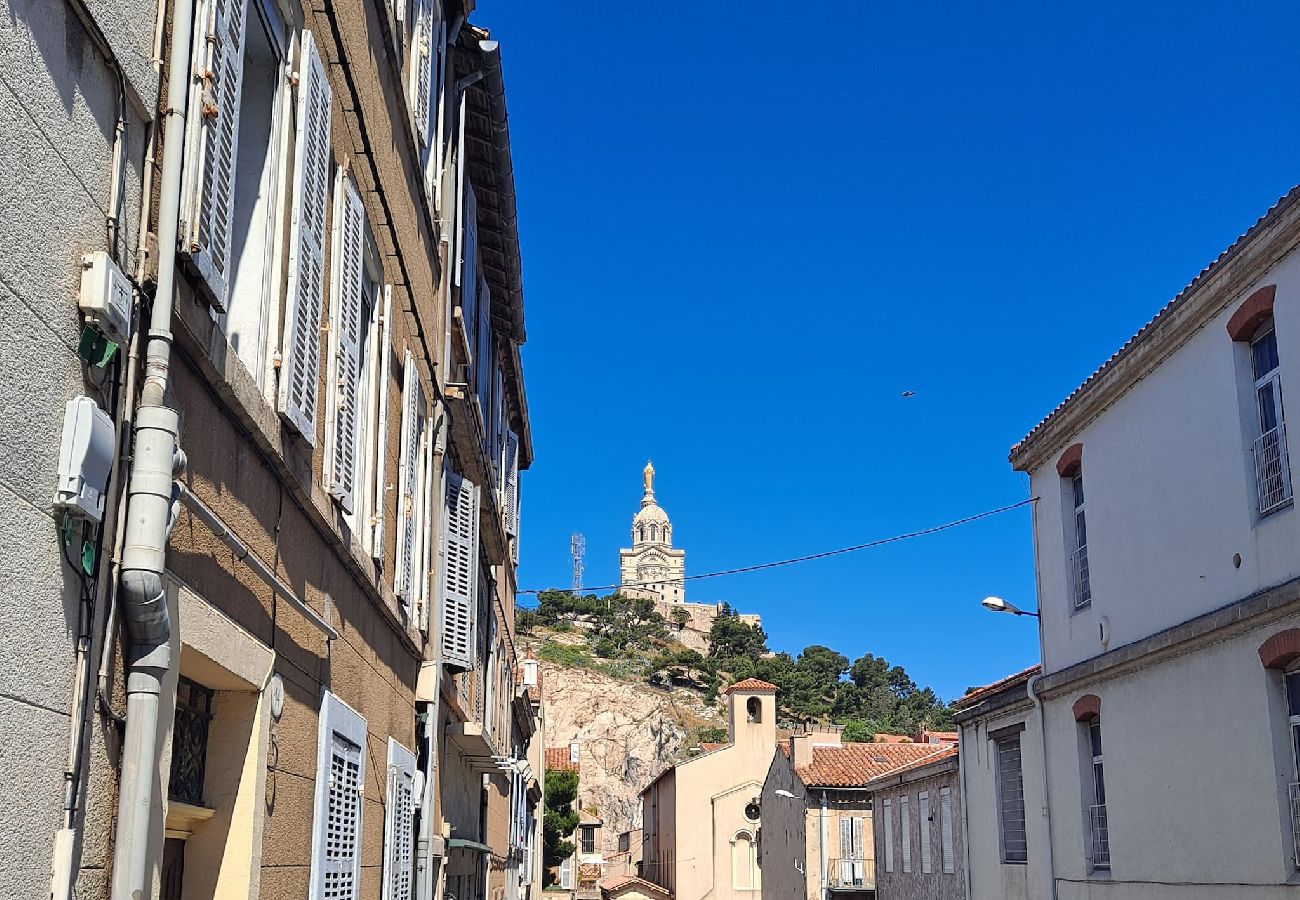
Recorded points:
(85,458)
(105,296)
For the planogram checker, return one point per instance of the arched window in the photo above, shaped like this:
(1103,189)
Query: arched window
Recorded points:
(654,532)
(640,533)
(744,862)
(753,710)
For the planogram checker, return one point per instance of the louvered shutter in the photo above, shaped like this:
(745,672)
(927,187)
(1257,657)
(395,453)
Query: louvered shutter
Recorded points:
(385,352)
(300,346)
(463,195)
(945,830)
(510,500)
(340,779)
(399,824)
(889,836)
(342,419)
(905,828)
(425,525)
(846,850)
(460,571)
(923,819)
(422,65)
(216,142)
(408,477)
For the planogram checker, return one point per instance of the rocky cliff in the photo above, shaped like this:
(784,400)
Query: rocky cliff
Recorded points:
(628,732)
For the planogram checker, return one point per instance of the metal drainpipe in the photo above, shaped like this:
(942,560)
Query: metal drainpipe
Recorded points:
(150,502)
(962,757)
(1032,687)
(823,858)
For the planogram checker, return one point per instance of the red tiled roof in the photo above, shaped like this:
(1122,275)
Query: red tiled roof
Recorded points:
(938,753)
(979,694)
(1145,331)
(710,746)
(751,685)
(853,765)
(559,759)
(617,882)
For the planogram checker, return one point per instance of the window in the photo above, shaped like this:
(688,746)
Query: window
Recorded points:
(1011,800)
(1097,824)
(744,862)
(905,828)
(399,824)
(945,830)
(588,838)
(889,835)
(852,852)
(1080,582)
(1292,681)
(1272,468)
(923,808)
(753,710)
(190,742)
(340,775)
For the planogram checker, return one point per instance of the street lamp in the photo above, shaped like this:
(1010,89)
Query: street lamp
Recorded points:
(786,794)
(997,604)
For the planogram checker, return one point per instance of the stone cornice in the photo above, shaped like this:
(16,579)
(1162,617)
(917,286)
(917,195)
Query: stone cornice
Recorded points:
(1221,283)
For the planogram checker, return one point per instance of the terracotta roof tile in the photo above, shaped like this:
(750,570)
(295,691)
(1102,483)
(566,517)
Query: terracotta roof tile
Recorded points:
(559,759)
(752,685)
(617,882)
(710,746)
(979,694)
(943,751)
(853,765)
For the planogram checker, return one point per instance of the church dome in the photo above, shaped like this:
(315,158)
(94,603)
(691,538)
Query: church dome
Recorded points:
(651,513)
(650,524)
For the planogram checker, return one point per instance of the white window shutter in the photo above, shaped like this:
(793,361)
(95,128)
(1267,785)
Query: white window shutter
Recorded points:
(510,470)
(300,347)
(905,829)
(463,193)
(340,780)
(408,479)
(460,571)
(945,830)
(422,65)
(385,368)
(889,836)
(399,824)
(923,819)
(216,141)
(342,402)
(425,525)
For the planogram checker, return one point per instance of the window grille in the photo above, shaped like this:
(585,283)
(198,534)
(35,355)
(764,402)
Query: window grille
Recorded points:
(1011,800)
(190,742)
(1272,470)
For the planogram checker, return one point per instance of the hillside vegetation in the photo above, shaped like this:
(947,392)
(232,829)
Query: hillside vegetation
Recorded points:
(628,638)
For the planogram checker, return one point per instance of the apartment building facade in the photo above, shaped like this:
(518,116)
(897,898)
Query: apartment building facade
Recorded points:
(918,805)
(270,609)
(1166,545)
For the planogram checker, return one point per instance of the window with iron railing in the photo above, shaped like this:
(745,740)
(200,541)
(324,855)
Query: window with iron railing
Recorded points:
(190,742)
(1098,826)
(1272,468)
(1292,682)
(1080,582)
(1011,800)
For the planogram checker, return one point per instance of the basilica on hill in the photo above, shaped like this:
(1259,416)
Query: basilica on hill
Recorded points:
(652,568)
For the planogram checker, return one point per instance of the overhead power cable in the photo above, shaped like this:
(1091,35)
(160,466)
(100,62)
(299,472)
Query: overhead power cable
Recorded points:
(880,542)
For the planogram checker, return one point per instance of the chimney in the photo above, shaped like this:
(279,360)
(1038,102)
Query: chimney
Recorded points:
(809,735)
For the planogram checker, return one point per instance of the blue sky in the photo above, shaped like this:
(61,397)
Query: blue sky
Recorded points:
(745,235)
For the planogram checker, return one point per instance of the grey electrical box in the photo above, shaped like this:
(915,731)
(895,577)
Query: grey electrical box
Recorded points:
(85,458)
(105,296)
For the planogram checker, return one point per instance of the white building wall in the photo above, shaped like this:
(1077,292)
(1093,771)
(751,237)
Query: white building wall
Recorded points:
(989,877)
(58,102)
(1169,484)
(1196,768)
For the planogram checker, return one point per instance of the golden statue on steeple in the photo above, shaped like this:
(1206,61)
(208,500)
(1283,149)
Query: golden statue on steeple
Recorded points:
(649,476)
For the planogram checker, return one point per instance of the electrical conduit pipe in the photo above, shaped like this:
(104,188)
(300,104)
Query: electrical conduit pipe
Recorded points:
(150,504)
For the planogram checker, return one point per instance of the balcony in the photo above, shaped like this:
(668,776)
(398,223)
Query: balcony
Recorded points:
(851,874)
(1272,470)
(1100,855)
(1080,581)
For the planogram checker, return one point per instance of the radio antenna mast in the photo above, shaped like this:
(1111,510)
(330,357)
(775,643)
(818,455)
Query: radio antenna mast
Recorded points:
(578,550)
